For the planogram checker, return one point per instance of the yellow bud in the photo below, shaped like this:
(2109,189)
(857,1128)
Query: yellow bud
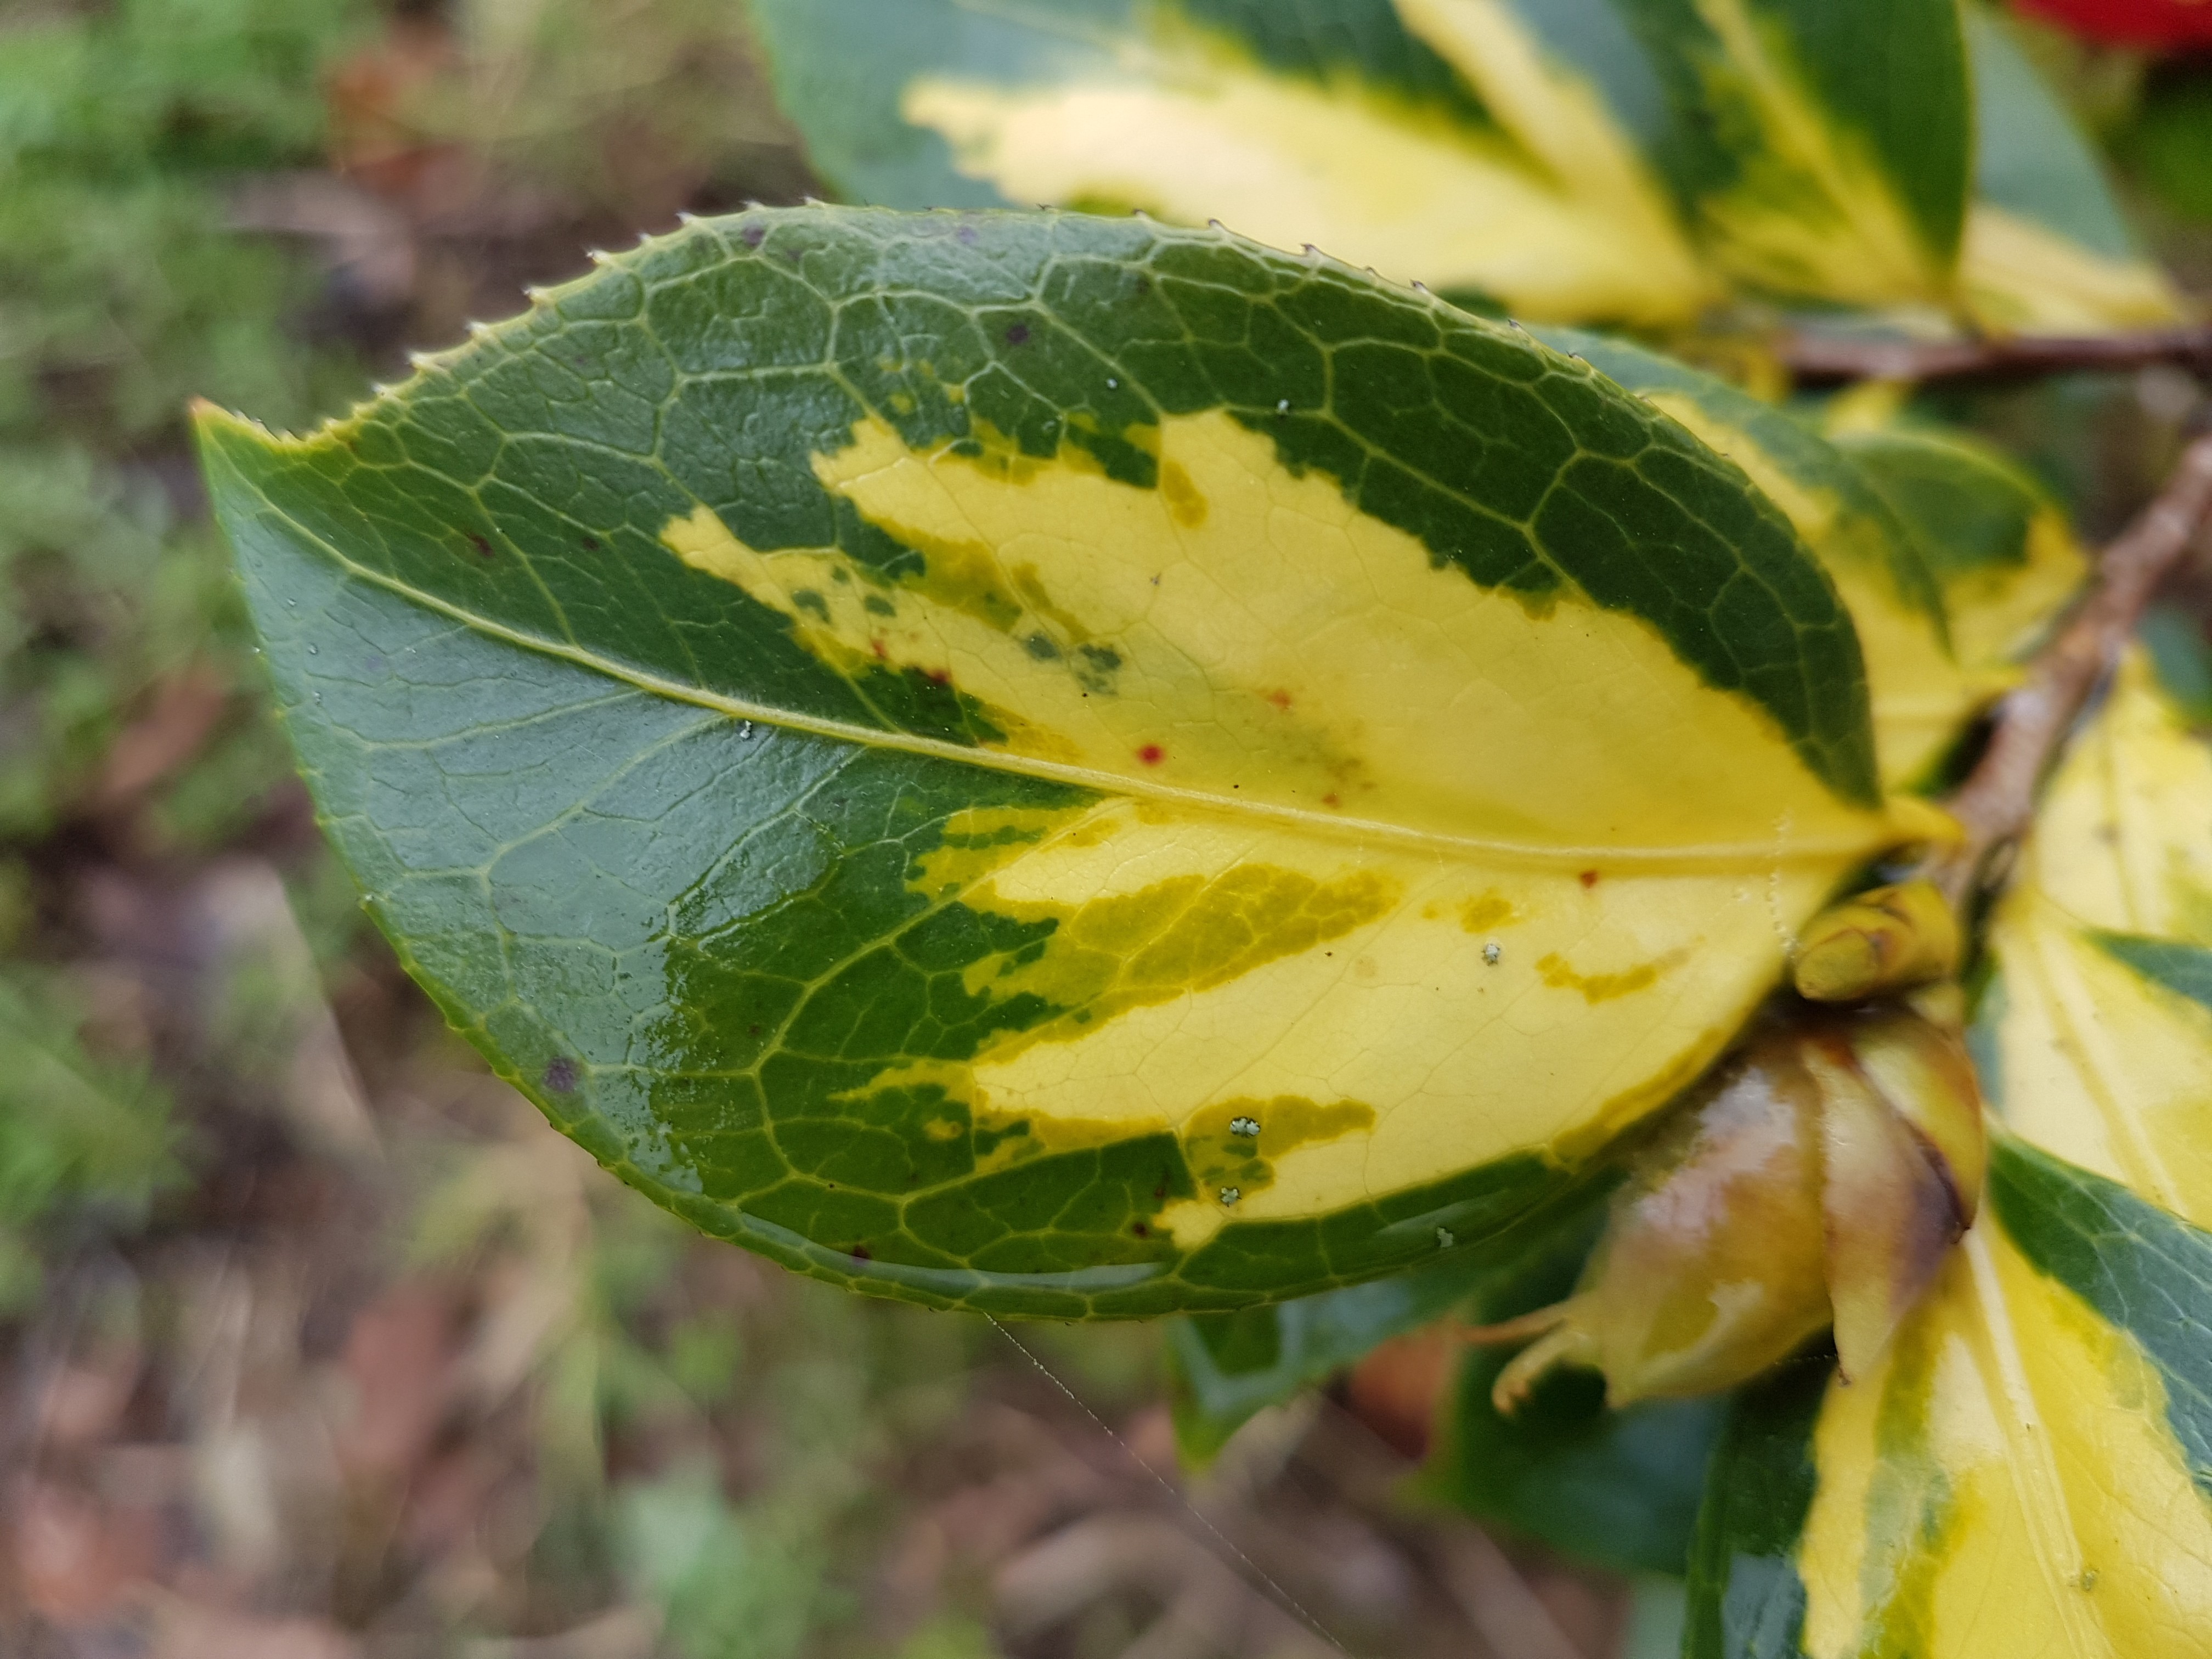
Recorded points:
(1886,940)
(1818,1178)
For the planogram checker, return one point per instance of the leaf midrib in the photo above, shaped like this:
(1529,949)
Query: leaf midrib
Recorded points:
(1730,854)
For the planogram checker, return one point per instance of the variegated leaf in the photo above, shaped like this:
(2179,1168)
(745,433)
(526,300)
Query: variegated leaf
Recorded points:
(2029,1468)
(1951,560)
(2046,249)
(1054,764)
(1452,143)
(2097,1033)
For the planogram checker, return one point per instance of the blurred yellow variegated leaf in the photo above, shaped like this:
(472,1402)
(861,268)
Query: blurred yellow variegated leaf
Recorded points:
(2000,549)
(1447,145)
(2098,1036)
(2029,1467)
(2047,249)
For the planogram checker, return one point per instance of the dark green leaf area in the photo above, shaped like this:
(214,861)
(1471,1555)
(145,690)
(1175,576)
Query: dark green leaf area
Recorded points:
(2148,1272)
(693,940)
(1746,1600)
(2184,969)
(1891,74)
(1325,39)
(525,480)
(1619,1489)
(2030,155)
(1804,456)
(1966,509)
(1225,1367)
(1889,77)
(2181,651)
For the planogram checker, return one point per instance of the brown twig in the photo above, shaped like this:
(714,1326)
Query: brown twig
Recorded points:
(1830,357)
(1996,804)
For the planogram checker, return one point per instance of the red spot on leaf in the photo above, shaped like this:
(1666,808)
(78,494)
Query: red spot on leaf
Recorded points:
(1152,754)
(940,676)
(1330,799)
(877,646)
(479,544)
(1589,879)
(1280,699)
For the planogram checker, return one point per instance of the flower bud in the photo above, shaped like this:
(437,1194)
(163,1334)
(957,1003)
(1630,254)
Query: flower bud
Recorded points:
(1818,1178)
(1887,939)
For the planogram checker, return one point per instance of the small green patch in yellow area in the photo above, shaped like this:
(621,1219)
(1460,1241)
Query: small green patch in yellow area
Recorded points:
(1231,1145)
(1189,933)
(1184,499)
(1485,911)
(1561,974)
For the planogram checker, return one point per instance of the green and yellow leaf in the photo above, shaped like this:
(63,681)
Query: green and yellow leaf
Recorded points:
(1460,154)
(2029,1467)
(1951,560)
(2046,249)
(1055,763)
(2097,1029)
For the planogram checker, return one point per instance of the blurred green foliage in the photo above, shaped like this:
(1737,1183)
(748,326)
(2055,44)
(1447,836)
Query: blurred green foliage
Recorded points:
(83,1145)
(122,295)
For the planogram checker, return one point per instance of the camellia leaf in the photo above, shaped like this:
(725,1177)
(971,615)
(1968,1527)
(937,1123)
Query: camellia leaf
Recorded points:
(1450,144)
(2000,550)
(1842,141)
(2096,1034)
(2046,247)
(2004,561)
(2029,1467)
(1053,763)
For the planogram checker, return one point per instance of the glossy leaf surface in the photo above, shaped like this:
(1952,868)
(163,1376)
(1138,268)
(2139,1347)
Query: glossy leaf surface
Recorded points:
(2029,1469)
(1949,558)
(1055,764)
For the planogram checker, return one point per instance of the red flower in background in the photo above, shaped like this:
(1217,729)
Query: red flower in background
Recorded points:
(2157,23)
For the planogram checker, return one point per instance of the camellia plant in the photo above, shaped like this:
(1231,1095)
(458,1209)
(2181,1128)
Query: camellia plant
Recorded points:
(1057,762)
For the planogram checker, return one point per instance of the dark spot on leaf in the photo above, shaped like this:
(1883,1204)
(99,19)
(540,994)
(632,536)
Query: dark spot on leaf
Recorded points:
(1160,1192)
(1018,334)
(861,1253)
(1330,799)
(1589,879)
(940,676)
(479,544)
(592,543)
(1152,754)
(753,235)
(752,1030)
(1141,1231)
(1144,285)
(561,1074)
